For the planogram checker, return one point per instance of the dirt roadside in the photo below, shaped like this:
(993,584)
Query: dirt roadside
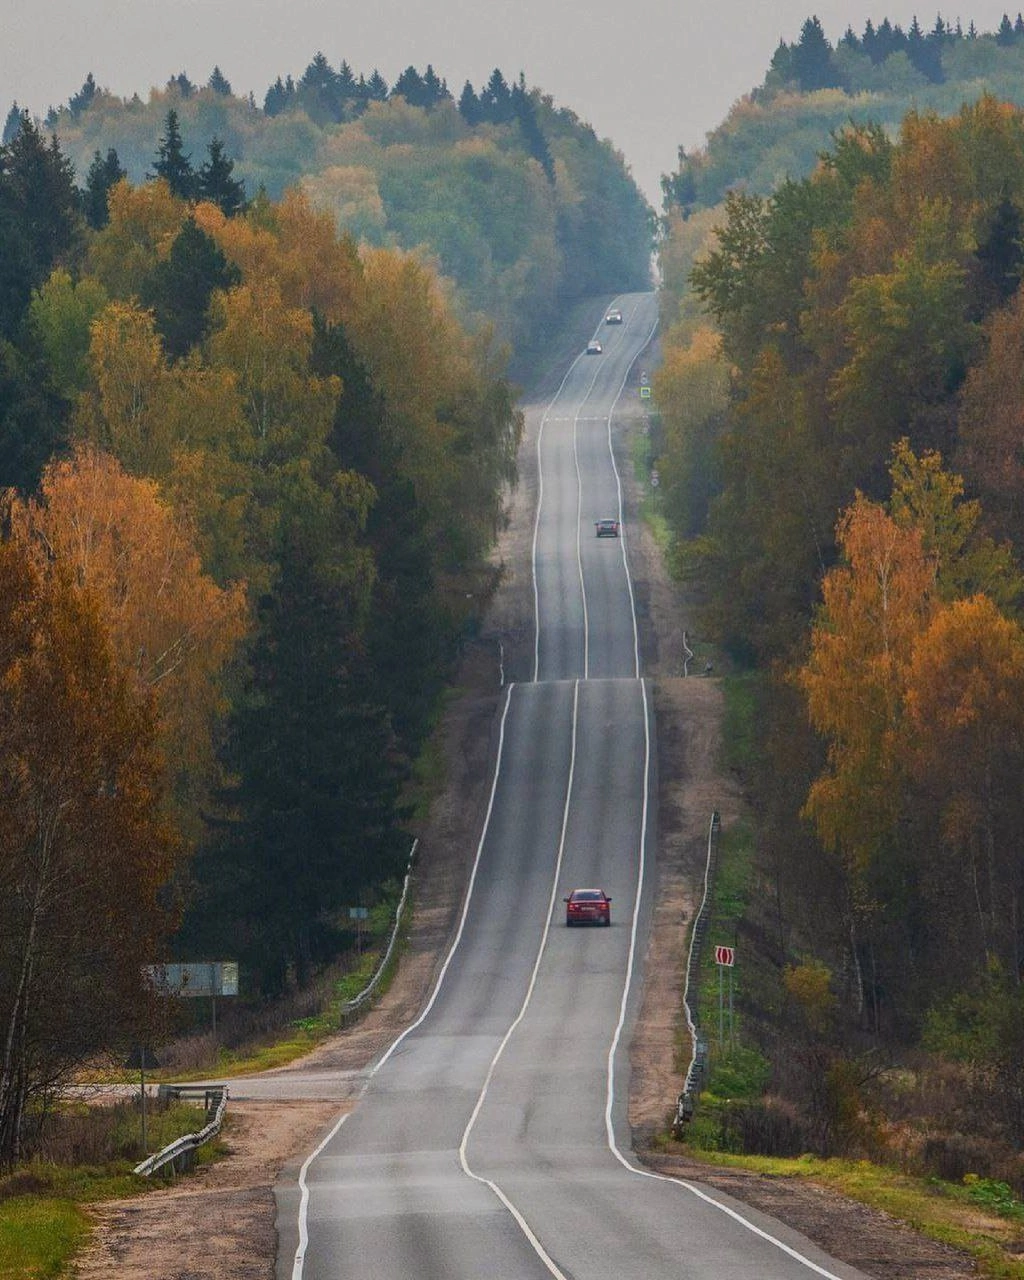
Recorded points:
(219,1224)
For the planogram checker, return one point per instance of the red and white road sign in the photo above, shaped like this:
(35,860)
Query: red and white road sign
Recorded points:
(725,955)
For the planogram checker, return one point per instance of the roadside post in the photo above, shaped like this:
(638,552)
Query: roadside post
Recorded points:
(725,958)
(140,1058)
(358,914)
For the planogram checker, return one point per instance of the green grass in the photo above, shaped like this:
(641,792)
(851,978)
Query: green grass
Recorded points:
(984,1224)
(38,1236)
(43,1218)
(740,741)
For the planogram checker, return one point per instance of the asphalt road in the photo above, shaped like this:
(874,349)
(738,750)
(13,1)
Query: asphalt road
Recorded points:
(491,1139)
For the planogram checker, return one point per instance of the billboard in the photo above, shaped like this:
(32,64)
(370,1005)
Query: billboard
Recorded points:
(202,978)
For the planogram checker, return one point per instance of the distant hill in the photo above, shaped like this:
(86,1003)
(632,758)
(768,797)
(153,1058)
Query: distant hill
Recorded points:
(813,88)
(518,201)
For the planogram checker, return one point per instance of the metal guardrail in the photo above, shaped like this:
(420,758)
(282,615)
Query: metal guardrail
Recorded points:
(686,1101)
(183,1149)
(355,1004)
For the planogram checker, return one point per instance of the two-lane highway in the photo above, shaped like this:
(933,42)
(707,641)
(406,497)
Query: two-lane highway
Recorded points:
(491,1139)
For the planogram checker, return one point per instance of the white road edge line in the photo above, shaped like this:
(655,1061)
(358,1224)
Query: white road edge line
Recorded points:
(300,1252)
(613,1048)
(521,1222)
(579,539)
(618,488)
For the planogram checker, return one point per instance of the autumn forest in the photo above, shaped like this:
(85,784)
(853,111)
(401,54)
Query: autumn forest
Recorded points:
(840,457)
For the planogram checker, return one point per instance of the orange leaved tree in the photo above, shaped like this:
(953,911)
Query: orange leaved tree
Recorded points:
(876,603)
(172,627)
(84,850)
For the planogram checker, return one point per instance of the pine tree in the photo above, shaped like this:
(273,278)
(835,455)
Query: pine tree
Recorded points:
(376,87)
(218,83)
(171,162)
(496,99)
(215,183)
(526,114)
(83,98)
(869,42)
(180,288)
(434,90)
(409,86)
(812,59)
(183,84)
(278,97)
(103,174)
(12,124)
(1004,36)
(469,105)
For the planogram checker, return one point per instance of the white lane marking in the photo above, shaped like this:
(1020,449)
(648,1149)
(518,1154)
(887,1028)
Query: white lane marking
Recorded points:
(618,489)
(579,545)
(536,519)
(536,522)
(623,1003)
(521,1222)
(300,1252)
(575,419)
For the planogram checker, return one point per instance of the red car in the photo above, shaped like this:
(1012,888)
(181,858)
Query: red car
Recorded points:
(588,906)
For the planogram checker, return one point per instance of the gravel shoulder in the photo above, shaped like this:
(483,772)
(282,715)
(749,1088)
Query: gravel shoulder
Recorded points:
(219,1223)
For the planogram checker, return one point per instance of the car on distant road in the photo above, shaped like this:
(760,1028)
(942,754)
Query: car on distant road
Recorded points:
(614,316)
(606,528)
(588,906)
(594,347)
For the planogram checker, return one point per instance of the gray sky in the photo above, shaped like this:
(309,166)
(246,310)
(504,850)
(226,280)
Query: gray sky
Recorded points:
(649,74)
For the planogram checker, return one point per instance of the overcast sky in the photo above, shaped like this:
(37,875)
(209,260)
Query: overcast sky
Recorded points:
(649,74)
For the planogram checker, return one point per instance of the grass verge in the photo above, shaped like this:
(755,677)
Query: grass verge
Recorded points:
(977,1217)
(44,1221)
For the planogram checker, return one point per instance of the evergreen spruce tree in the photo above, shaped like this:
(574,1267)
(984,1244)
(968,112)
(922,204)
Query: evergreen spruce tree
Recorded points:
(812,59)
(215,183)
(12,124)
(409,86)
(533,136)
(469,105)
(1000,254)
(183,84)
(496,99)
(180,288)
(103,174)
(1004,36)
(171,162)
(376,87)
(83,98)
(278,97)
(218,83)
(434,90)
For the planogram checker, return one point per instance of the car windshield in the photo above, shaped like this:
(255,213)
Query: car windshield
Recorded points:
(588,895)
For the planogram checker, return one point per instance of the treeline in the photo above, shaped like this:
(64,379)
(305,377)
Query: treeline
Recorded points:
(842,469)
(251,478)
(814,88)
(517,200)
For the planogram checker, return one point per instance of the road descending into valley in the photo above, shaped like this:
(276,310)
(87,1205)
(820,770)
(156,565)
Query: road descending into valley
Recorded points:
(491,1139)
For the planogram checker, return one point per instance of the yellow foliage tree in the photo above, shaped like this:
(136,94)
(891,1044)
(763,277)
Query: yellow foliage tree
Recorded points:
(171,626)
(144,221)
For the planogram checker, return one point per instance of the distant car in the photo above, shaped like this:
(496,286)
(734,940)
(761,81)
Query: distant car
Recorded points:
(594,348)
(606,528)
(588,906)
(614,316)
